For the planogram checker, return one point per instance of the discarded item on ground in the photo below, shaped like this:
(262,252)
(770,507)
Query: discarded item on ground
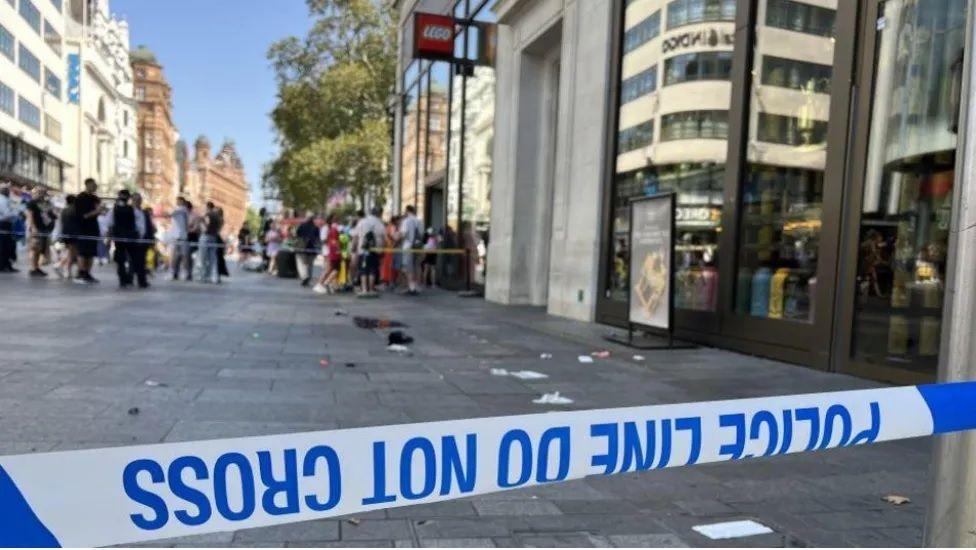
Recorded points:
(371,322)
(324,362)
(341,313)
(423,522)
(732,529)
(154,384)
(545,356)
(368,295)
(528,375)
(255,335)
(499,372)
(354,521)
(585,359)
(398,348)
(134,411)
(552,399)
(602,354)
(638,358)
(897,500)
(398,337)
(350,365)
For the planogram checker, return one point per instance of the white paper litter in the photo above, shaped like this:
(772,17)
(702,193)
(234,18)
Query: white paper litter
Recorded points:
(528,375)
(545,356)
(732,529)
(552,399)
(152,383)
(638,358)
(520,374)
(585,359)
(397,348)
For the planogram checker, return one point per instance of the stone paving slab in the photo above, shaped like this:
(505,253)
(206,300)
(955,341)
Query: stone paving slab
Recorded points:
(245,359)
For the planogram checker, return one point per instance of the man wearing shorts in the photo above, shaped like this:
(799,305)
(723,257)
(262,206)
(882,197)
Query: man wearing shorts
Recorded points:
(411,234)
(371,235)
(87,209)
(40,222)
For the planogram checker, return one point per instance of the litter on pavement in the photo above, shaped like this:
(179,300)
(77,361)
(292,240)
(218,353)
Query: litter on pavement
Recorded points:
(585,359)
(371,322)
(398,337)
(341,313)
(324,362)
(552,399)
(732,529)
(897,500)
(602,354)
(638,358)
(545,356)
(134,411)
(520,374)
(398,348)
(154,384)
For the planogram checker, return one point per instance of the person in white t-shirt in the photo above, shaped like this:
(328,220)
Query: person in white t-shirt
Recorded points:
(411,234)
(371,234)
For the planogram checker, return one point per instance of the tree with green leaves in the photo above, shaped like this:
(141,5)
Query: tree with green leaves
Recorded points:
(331,116)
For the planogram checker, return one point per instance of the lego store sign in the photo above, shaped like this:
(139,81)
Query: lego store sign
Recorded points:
(433,36)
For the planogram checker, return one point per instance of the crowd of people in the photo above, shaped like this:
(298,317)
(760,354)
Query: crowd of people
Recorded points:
(360,253)
(363,253)
(72,232)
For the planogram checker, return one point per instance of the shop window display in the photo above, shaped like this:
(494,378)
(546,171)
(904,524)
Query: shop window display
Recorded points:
(907,200)
(695,176)
(781,197)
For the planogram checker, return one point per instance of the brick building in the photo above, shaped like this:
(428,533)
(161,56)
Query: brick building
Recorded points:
(157,172)
(217,178)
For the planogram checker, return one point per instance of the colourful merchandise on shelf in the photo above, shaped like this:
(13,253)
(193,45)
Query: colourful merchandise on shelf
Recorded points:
(760,292)
(776,294)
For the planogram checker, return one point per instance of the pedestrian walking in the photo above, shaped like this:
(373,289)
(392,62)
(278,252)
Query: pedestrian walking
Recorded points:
(411,235)
(40,223)
(209,241)
(273,244)
(88,207)
(123,230)
(146,231)
(429,263)
(8,213)
(180,253)
(354,262)
(371,235)
(221,249)
(68,230)
(245,245)
(309,242)
(331,256)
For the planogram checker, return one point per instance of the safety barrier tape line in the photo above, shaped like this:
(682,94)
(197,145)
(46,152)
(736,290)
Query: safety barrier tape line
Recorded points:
(316,251)
(134,494)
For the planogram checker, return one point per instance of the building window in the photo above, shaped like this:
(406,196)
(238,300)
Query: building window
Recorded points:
(58,5)
(639,85)
(6,43)
(52,37)
(29,114)
(125,119)
(52,83)
(686,12)
(643,32)
(31,14)
(125,149)
(793,131)
(6,99)
(635,137)
(799,17)
(52,128)
(140,93)
(695,125)
(697,66)
(29,63)
(798,75)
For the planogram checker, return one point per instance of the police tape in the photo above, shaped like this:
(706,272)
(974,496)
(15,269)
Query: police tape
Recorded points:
(202,244)
(134,494)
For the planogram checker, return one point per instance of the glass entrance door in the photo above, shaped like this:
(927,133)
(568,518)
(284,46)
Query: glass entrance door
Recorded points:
(909,126)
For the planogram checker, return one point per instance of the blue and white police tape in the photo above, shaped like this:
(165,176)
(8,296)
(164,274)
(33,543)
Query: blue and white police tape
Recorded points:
(133,494)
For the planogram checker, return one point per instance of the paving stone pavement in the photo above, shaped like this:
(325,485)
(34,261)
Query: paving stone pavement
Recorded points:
(244,358)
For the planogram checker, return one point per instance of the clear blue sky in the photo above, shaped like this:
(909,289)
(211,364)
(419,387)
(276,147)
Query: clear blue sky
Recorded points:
(213,53)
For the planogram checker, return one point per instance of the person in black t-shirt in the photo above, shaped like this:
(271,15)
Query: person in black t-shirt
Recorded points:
(40,220)
(87,209)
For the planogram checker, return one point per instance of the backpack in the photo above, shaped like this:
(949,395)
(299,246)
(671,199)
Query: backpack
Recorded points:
(369,241)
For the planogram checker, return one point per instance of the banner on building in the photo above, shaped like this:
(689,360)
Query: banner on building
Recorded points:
(74,78)
(124,495)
